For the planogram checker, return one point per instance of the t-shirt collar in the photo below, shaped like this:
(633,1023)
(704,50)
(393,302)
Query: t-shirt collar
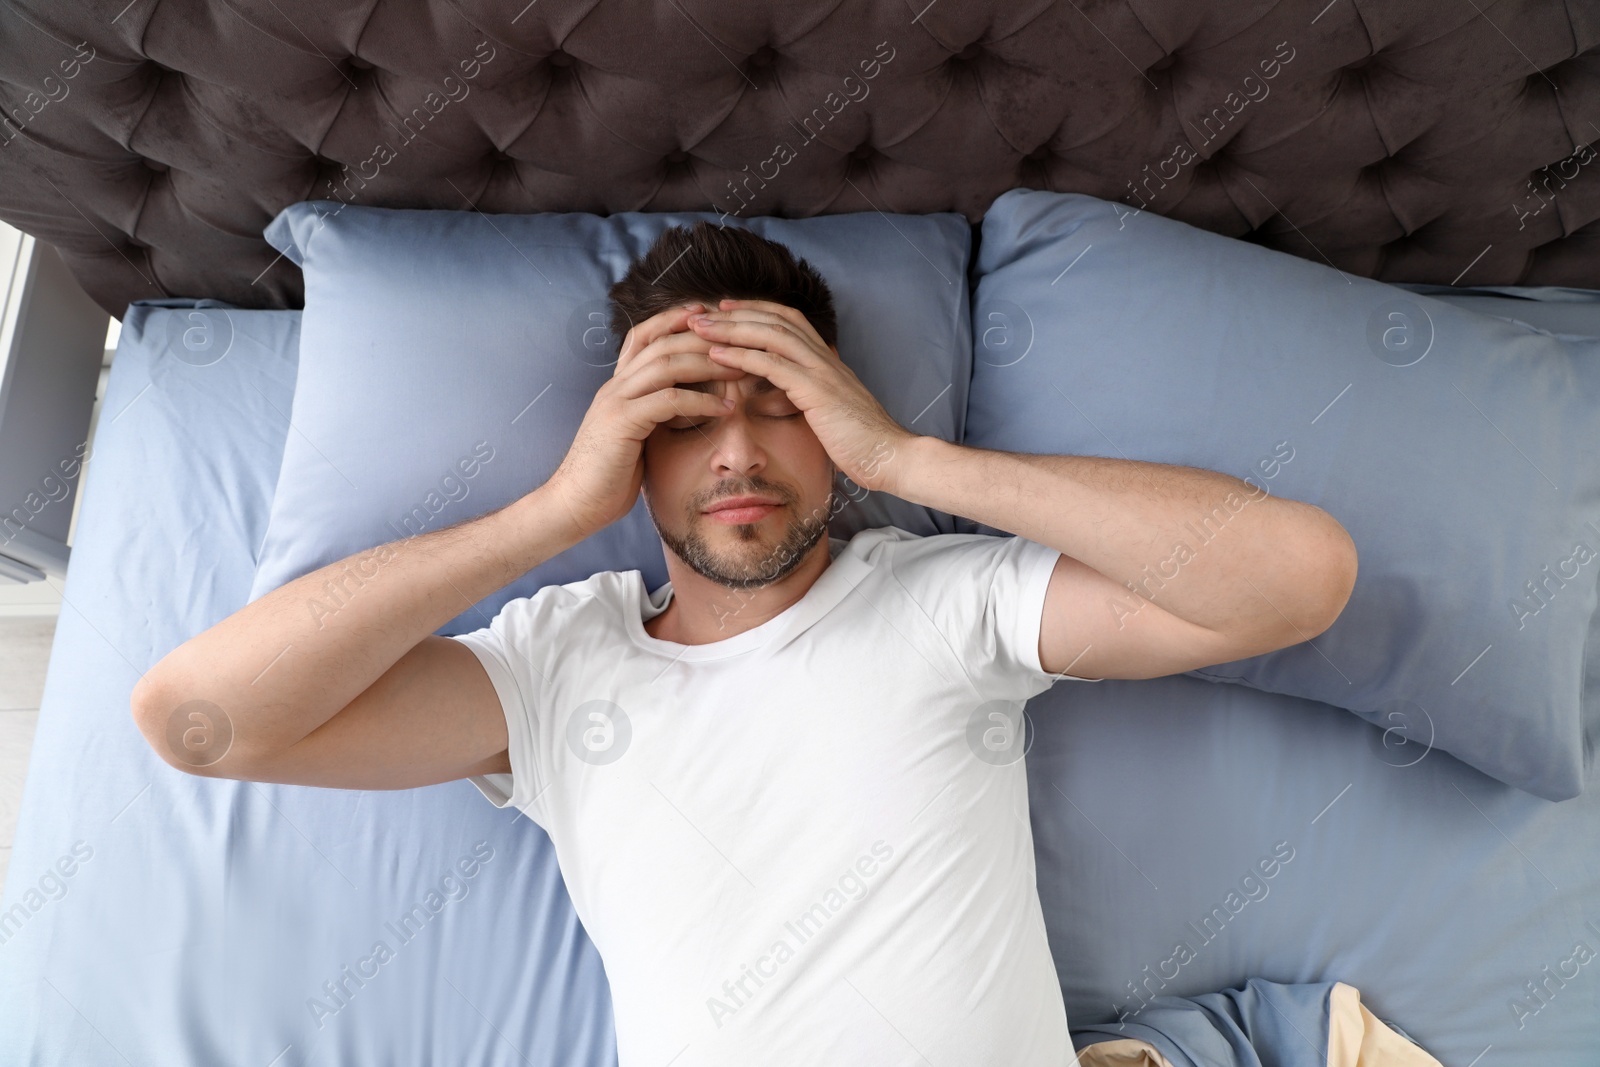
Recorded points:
(842,574)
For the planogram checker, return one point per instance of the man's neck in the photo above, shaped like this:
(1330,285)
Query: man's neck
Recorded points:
(703,611)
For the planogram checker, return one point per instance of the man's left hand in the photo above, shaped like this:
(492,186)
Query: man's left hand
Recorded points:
(775,342)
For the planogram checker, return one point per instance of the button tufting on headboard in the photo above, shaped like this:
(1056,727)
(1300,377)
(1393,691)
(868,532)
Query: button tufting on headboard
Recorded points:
(1407,142)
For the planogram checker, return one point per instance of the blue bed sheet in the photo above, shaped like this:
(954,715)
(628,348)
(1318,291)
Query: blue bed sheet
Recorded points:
(219,922)
(214,922)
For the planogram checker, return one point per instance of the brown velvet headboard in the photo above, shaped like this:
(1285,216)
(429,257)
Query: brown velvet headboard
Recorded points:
(1408,140)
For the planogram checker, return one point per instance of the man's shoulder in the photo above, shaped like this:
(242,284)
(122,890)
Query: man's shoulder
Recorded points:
(896,546)
(602,588)
(941,564)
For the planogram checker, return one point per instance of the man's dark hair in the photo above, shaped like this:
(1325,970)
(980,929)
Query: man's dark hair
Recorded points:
(711,262)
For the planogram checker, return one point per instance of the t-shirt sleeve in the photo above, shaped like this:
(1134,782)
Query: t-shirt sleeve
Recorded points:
(986,595)
(509,650)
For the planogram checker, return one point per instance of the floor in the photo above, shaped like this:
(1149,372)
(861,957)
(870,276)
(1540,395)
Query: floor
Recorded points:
(28,616)
(24,651)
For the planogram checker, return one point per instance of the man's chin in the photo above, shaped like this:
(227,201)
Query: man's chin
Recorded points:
(746,555)
(742,551)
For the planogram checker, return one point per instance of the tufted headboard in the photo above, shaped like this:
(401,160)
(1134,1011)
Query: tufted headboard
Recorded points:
(1408,140)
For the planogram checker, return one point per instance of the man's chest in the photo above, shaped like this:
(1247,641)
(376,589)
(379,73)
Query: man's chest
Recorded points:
(727,780)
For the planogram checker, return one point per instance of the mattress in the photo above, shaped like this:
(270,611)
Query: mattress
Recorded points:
(152,916)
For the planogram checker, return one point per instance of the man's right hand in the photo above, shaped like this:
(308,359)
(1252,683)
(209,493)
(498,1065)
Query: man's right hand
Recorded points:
(368,697)
(599,479)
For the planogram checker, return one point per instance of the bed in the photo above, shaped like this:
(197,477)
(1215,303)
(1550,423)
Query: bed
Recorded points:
(153,917)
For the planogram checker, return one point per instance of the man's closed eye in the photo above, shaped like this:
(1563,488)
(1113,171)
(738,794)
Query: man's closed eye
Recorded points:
(698,425)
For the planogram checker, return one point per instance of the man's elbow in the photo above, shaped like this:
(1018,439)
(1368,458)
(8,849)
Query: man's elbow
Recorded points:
(1337,565)
(150,707)
(190,735)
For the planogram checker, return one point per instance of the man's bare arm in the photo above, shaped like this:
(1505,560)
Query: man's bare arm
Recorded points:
(1281,574)
(281,668)
(1278,572)
(365,696)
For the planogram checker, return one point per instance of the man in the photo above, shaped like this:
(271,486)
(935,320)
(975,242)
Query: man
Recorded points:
(785,789)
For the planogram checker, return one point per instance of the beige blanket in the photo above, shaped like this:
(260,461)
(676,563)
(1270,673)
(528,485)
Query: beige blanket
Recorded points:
(1356,1038)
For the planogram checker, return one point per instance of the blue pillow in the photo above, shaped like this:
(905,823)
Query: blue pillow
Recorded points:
(1560,310)
(448,357)
(1462,452)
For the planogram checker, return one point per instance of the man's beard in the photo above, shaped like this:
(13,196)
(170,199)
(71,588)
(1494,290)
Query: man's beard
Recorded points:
(799,537)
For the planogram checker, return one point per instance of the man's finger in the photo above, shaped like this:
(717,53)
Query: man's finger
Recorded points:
(668,345)
(662,323)
(775,337)
(784,311)
(763,363)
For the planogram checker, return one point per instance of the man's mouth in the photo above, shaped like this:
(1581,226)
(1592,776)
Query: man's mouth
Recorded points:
(737,510)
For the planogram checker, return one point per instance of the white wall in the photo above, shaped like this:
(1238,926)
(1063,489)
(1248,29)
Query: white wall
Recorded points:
(44,598)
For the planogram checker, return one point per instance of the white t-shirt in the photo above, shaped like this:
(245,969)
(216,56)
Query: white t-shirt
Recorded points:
(807,843)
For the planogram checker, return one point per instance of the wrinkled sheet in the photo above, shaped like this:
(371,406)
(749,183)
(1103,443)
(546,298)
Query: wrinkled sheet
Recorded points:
(217,922)
(1261,1024)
